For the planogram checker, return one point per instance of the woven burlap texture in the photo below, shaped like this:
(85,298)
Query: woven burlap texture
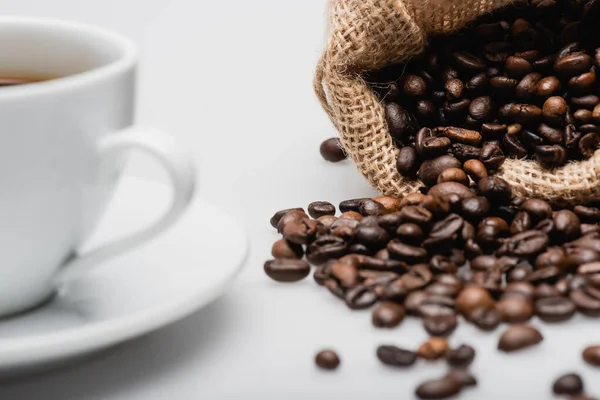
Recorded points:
(365,35)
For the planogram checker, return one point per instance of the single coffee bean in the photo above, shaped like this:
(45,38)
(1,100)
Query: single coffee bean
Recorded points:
(497,51)
(388,315)
(475,169)
(591,355)
(520,223)
(548,86)
(374,237)
(431,169)
(550,134)
(570,384)
(473,297)
(588,144)
(426,111)
(491,156)
(327,359)
(491,131)
(524,114)
(346,274)
(537,209)
(475,208)
(410,233)
(433,306)
(462,376)
(545,290)
(477,84)
(554,309)
(588,101)
(525,244)
(523,290)
(350,205)
(332,150)
(320,208)
(286,249)
(454,111)
(444,231)
(596,114)
(443,388)
(360,297)
(464,152)
(405,252)
(286,270)
(554,110)
(515,309)
(440,325)
(468,62)
(590,215)
(567,226)
(460,135)
(587,300)
(407,163)
(399,121)
(395,356)
(497,190)
(369,207)
(389,203)
(486,319)
(454,89)
(526,88)
(583,117)
(514,147)
(461,357)
(276,218)
(517,337)
(433,349)
(482,109)
(484,263)
(517,67)
(453,175)
(503,86)
(582,84)
(572,65)
(414,86)
(550,156)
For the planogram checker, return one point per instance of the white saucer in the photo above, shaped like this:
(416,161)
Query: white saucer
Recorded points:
(150,287)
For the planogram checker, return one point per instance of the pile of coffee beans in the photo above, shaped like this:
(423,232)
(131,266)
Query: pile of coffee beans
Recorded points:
(520,82)
(451,254)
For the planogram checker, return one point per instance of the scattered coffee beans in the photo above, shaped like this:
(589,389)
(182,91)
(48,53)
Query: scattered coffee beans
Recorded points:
(591,355)
(327,359)
(443,388)
(518,337)
(461,357)
(395,356)
(519,83)
(570,384)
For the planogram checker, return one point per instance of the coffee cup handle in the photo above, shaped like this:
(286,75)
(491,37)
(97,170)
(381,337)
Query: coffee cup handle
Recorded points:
(181,171)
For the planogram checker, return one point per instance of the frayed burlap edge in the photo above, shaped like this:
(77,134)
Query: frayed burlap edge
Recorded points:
(368,34)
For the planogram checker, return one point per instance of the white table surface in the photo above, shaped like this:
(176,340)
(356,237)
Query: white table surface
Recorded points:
(232,80)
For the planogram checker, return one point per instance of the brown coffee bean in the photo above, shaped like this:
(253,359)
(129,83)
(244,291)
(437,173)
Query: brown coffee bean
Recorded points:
(582,84)
(550,134)
(524,114)
(520,223)
(517,337)
(588,144)
(497,190)
(514,147)
(554,110)
(462,376)
(454,89)
(285,249)
(464,152)
(350,205)
(473,297)
(327,359)
(492,156)
(360,297)
(414,86)
(286,270)
(441,190)
(554,309)
(405,252)
(583,117)
(515,309)
(570,384)
(406,163)
(460,135)
(388,315)
(426,111)
(320,208)
(453,175)
(482,109)
(461,357)
(440,325)
(591,355)
(433,349)
(547,86)
(525,244)
(523,290)
(475,169)
(298,213)
(395,356)
(503,86)
(517,67)
(550,156)
(588,101)
(468,62)
(442,388)
(572,65)
(332,150)
(477,84)
(587,300)
(431,169)
(399,121)
(590,215)
(526,88)
(596,114)
(486,319)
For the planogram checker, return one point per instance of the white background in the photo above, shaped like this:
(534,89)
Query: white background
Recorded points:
(232,80)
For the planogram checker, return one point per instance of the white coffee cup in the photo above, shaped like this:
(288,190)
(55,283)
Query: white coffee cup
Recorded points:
(63,145)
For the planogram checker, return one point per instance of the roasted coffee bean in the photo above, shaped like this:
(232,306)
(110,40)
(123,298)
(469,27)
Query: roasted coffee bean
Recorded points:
(486,319)
(523,290)
(589,215)
(520,223)
(426,111)
(547,86)
(416,214)
(431,169)
(464,152)
(477,84)
(583,117)
(554,110)
(491,156)
(572,65)
(444,231)
(332,150)
(587,300)
(320,208)
(589,143)
(438,207)
(567,226)
(399,121)
(441,190)
(524,244)
(550,134)
(468,62)
(514,147)
(591,355)
(550,156)
(454,89)
(389,203)
(526,88)
(554,309)
(440,264)
(460,135)
(276,218)
(517,337)
(327,359)
(442,388)
(537,209)
(570,384)
(503,86)
(350,205)
(545,290)
(588,101)
(406,163)
(583,83)
(475,208)
(490,230)
(374,237)
(405,252)
(591,272)
(497,190)
(396,357)
(433,349)
(484,263)
(433,306)
(440,325)
(371,207)
(410,233)
(473,297)
(482,109)
(414,86)
(286,270)
(475,169)
(455,111)
(286,249)
(461,357)
(596,114)
(417,277)
(346,274)
(360,297)
(524,114)
(491,131)
(388,315)
(441,289)
(515,309)
(517,67)
(453,175)
(463,376)
(580,255)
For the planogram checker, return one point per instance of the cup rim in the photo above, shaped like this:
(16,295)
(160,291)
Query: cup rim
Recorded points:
(125,62)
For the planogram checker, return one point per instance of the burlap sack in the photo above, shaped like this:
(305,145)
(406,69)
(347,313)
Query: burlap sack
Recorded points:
(368,34)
